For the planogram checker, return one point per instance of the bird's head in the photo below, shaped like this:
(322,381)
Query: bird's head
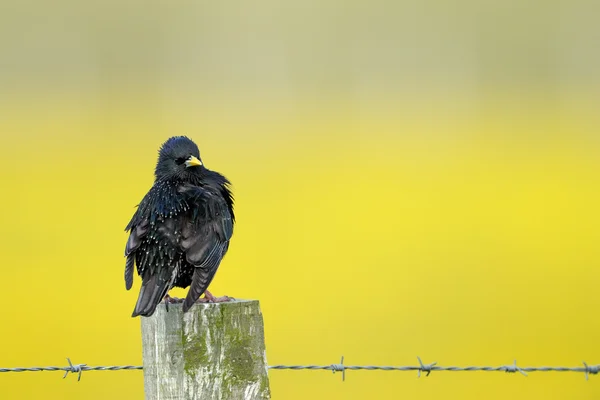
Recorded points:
(178,157)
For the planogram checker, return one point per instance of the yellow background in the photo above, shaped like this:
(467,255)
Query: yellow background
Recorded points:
(411,179)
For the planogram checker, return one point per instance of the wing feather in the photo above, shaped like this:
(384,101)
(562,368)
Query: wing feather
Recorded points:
(138,232)
(205,238)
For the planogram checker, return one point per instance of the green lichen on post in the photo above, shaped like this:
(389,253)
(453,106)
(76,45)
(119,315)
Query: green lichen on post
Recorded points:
(240,351)
(214,351)
(264,385)
(219,322)
(240,360)
(195,353)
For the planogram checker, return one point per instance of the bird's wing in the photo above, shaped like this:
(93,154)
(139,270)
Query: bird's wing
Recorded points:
(204,237)
(150,211)
(138,231)
(158,263)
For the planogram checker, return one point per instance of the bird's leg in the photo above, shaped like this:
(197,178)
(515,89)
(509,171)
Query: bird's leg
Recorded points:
(209,298)
(172,300)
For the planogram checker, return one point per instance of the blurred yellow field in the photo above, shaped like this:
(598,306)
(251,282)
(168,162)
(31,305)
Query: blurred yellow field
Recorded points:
(454,220)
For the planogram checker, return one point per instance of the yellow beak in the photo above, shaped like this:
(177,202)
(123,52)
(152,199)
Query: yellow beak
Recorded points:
(192,162)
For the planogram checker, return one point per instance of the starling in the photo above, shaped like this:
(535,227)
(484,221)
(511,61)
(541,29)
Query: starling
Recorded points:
(180,230)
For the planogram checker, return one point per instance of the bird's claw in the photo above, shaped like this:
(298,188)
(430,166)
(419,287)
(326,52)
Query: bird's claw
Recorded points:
(209,298)
(172,300)
(222,299)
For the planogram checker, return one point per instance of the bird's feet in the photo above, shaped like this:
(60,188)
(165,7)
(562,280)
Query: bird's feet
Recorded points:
(209,298)
(172,300)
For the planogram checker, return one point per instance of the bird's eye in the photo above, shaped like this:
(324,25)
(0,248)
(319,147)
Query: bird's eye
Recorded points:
(180,160)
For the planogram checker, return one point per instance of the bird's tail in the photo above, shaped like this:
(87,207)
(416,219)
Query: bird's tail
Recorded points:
(151,293)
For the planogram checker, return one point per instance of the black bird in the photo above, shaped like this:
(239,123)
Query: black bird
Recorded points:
(180,230)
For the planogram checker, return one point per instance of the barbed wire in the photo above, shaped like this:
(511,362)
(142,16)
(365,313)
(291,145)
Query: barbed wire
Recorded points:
(341,367)
(428,368)
(73,368)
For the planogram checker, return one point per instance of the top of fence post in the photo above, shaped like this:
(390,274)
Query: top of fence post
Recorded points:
(214,351)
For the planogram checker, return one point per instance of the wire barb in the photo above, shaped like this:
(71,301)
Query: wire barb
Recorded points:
(514,368)
(590,369)
(425,367)
(339,368)
(74,369)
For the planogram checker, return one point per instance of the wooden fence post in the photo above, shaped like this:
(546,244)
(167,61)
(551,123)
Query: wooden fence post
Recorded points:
(214,351)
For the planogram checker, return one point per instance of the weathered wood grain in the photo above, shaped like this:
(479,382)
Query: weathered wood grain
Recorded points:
(214,351)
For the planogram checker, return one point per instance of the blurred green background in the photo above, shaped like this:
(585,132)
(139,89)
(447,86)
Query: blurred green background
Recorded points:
(412,179)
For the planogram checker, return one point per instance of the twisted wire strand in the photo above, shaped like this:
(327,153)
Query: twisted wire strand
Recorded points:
(421,368)
(428,368)
(69,369)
